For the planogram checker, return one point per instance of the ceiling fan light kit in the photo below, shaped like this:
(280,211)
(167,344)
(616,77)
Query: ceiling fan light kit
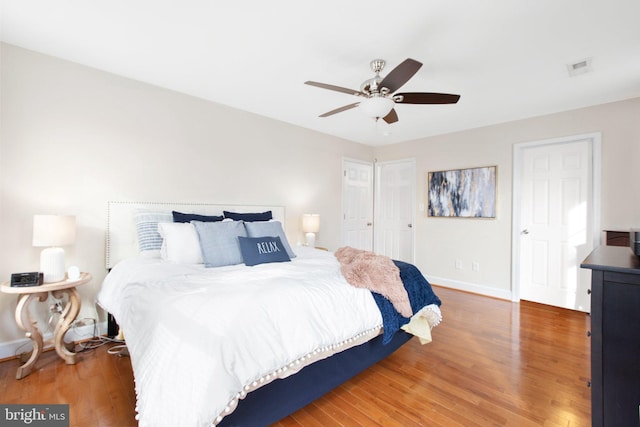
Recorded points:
(377,106)
(378,92)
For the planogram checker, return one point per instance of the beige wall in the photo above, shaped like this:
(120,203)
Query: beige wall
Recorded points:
(440,241)
(73,138)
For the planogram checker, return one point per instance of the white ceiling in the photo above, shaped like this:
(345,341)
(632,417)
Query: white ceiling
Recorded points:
(507,59)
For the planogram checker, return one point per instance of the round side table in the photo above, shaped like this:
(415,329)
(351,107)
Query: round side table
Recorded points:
(26,294)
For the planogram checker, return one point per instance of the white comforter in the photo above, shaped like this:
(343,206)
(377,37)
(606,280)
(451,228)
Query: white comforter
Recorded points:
(200,338)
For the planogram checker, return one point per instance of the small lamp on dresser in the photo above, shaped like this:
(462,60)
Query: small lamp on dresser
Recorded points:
(310,226)
(52,232)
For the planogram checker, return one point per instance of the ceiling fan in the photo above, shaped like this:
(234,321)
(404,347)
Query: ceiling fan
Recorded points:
(378,93)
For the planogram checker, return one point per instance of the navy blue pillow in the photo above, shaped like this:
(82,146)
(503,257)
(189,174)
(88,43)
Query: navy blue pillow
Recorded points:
(188,217)
(248,217)
(261,250)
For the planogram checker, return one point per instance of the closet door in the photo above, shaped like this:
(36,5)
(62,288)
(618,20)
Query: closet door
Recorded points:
(395,184)
(357,204)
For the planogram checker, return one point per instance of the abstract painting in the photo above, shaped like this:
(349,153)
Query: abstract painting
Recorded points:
(465,193)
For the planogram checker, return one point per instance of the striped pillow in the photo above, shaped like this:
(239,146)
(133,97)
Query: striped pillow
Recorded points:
(149,239)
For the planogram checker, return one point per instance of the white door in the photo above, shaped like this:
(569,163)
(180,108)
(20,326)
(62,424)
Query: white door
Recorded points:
(357,204)
(556,223)
(395,209)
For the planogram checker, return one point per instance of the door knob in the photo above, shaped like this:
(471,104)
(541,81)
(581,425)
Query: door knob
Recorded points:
(410,225)
(369,224)
(525,231)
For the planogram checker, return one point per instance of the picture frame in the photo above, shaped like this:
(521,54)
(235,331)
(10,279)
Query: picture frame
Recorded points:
(462,193)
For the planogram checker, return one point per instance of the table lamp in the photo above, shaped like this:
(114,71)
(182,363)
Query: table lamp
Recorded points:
(311,225)
(53,231)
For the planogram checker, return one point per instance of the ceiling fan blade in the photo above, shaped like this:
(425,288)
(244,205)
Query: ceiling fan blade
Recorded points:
(336,88)
(427,98)
(400,75)
(392,117)
(340,110)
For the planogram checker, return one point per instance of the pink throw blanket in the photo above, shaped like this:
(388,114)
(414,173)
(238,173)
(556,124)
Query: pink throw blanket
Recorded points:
(377,273)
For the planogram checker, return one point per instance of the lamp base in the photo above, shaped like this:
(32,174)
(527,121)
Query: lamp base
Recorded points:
(311,239)
(52,265)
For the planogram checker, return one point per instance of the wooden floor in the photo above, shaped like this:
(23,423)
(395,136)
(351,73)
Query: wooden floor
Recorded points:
(491,363)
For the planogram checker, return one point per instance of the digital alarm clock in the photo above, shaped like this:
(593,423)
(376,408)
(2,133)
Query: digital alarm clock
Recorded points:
(33,278)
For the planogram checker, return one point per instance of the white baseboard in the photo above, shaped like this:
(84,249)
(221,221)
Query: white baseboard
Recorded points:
(471,287)
(76,333)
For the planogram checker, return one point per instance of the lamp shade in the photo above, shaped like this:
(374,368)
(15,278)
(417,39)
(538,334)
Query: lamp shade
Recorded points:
(377,106)
(54,230)
(310,223)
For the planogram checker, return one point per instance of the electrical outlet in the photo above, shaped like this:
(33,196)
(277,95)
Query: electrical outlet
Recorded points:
(475,266)
(56,307)
(87,321)
(458,264)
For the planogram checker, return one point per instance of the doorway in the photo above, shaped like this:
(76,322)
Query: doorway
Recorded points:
(555,219)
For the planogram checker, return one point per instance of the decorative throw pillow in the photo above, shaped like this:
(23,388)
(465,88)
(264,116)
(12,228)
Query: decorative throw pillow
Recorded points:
(188,217)
(252,216)
(149,240)
(269,228)
(261,250)
(219,242)
(180,243)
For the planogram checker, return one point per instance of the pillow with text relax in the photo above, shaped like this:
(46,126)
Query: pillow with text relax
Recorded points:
(262,250)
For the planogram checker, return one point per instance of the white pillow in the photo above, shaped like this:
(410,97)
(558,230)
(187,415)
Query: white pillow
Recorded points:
(180,243)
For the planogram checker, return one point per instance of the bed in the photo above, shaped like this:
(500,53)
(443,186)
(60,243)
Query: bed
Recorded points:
(220,342)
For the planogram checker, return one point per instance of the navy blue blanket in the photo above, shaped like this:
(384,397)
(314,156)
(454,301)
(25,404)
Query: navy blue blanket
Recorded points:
(420,295)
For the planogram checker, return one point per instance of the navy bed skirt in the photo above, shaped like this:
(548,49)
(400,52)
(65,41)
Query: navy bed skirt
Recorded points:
(283,397)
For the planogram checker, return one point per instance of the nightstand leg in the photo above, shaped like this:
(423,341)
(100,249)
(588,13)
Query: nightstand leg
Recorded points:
(24,321)
(67,317)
